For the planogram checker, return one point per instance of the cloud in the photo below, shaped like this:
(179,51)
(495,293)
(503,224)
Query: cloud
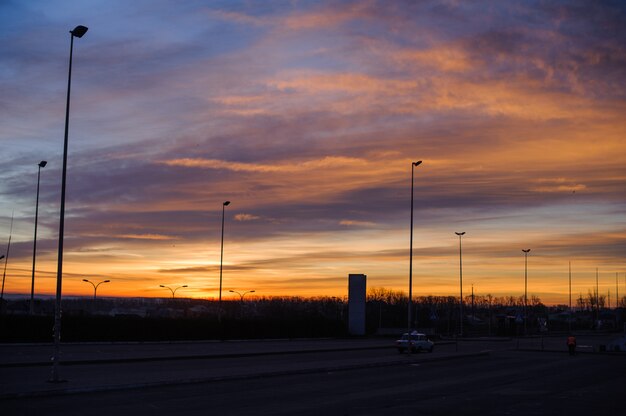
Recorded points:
(357,223)
(326,162)
(558,185)
(145,236)
(246,217)
(307,117)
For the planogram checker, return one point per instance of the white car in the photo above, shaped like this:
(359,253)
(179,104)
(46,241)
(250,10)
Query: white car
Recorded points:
(417,342)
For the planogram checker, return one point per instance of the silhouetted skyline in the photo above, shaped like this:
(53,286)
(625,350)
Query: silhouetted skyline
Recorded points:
(307,116)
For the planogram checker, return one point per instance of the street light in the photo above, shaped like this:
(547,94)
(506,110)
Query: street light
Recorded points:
(241,295)
(616,291)
(95,286)
(526,251)
(79,32)
(461,234)
(413,165)
(41,164)
(597,297)
(219,303)
(173,291)
(569,321)
(6,261)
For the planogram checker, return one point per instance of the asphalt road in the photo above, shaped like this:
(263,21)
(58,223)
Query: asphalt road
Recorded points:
(504,382)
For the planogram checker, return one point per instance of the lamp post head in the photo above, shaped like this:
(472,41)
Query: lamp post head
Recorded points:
(42,164)
(526,251)
(85,280)
(184,286)
(106,281)
(79,31)
(162,286)
(226,203)
(460,234)
(252,291)
(419,162)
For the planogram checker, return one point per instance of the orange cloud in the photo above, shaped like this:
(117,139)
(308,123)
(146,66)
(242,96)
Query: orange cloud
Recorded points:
(246,217)
(357,223)
(145,236)
(446,58)
(321,19)
(308,165)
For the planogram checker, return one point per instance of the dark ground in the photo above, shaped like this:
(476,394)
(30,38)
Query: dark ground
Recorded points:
(504,382)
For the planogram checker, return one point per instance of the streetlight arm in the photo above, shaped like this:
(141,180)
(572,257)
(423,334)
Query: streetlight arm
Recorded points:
(95,286)
(173,291)
(104,281)
(241,295)
(168,288)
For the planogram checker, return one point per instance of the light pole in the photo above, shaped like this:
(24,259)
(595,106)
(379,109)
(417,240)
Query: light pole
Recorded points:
(6,261)
(173,291)
(5,267)
(473,315)
(219,303)
(79,32)
(95,286)
(461,234)
(616,291)
(570,296)
(597,295)
(526,251)
(413,165)
(41,164)
(241,295)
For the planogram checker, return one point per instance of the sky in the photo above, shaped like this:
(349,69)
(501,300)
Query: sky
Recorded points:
(307,116)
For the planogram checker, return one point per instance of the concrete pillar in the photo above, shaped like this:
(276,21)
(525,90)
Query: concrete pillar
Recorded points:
(357,288)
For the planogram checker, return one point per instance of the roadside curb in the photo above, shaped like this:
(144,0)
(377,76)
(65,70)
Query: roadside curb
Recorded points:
(183,357)
(213,379)
(565,352)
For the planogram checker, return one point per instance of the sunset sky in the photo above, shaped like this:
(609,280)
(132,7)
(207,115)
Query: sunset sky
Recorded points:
(306,115)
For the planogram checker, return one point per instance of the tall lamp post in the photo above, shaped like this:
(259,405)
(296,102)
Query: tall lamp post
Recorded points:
(461,234)
(78,32)
(5,266)
(413,165)
(219,303)
(173,291)
(41,164)
(6,261)
(616,291)
(597,296)
(95,286)
(526,251)
(570,296)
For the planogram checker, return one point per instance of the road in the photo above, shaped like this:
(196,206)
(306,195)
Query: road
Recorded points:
(504,382)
